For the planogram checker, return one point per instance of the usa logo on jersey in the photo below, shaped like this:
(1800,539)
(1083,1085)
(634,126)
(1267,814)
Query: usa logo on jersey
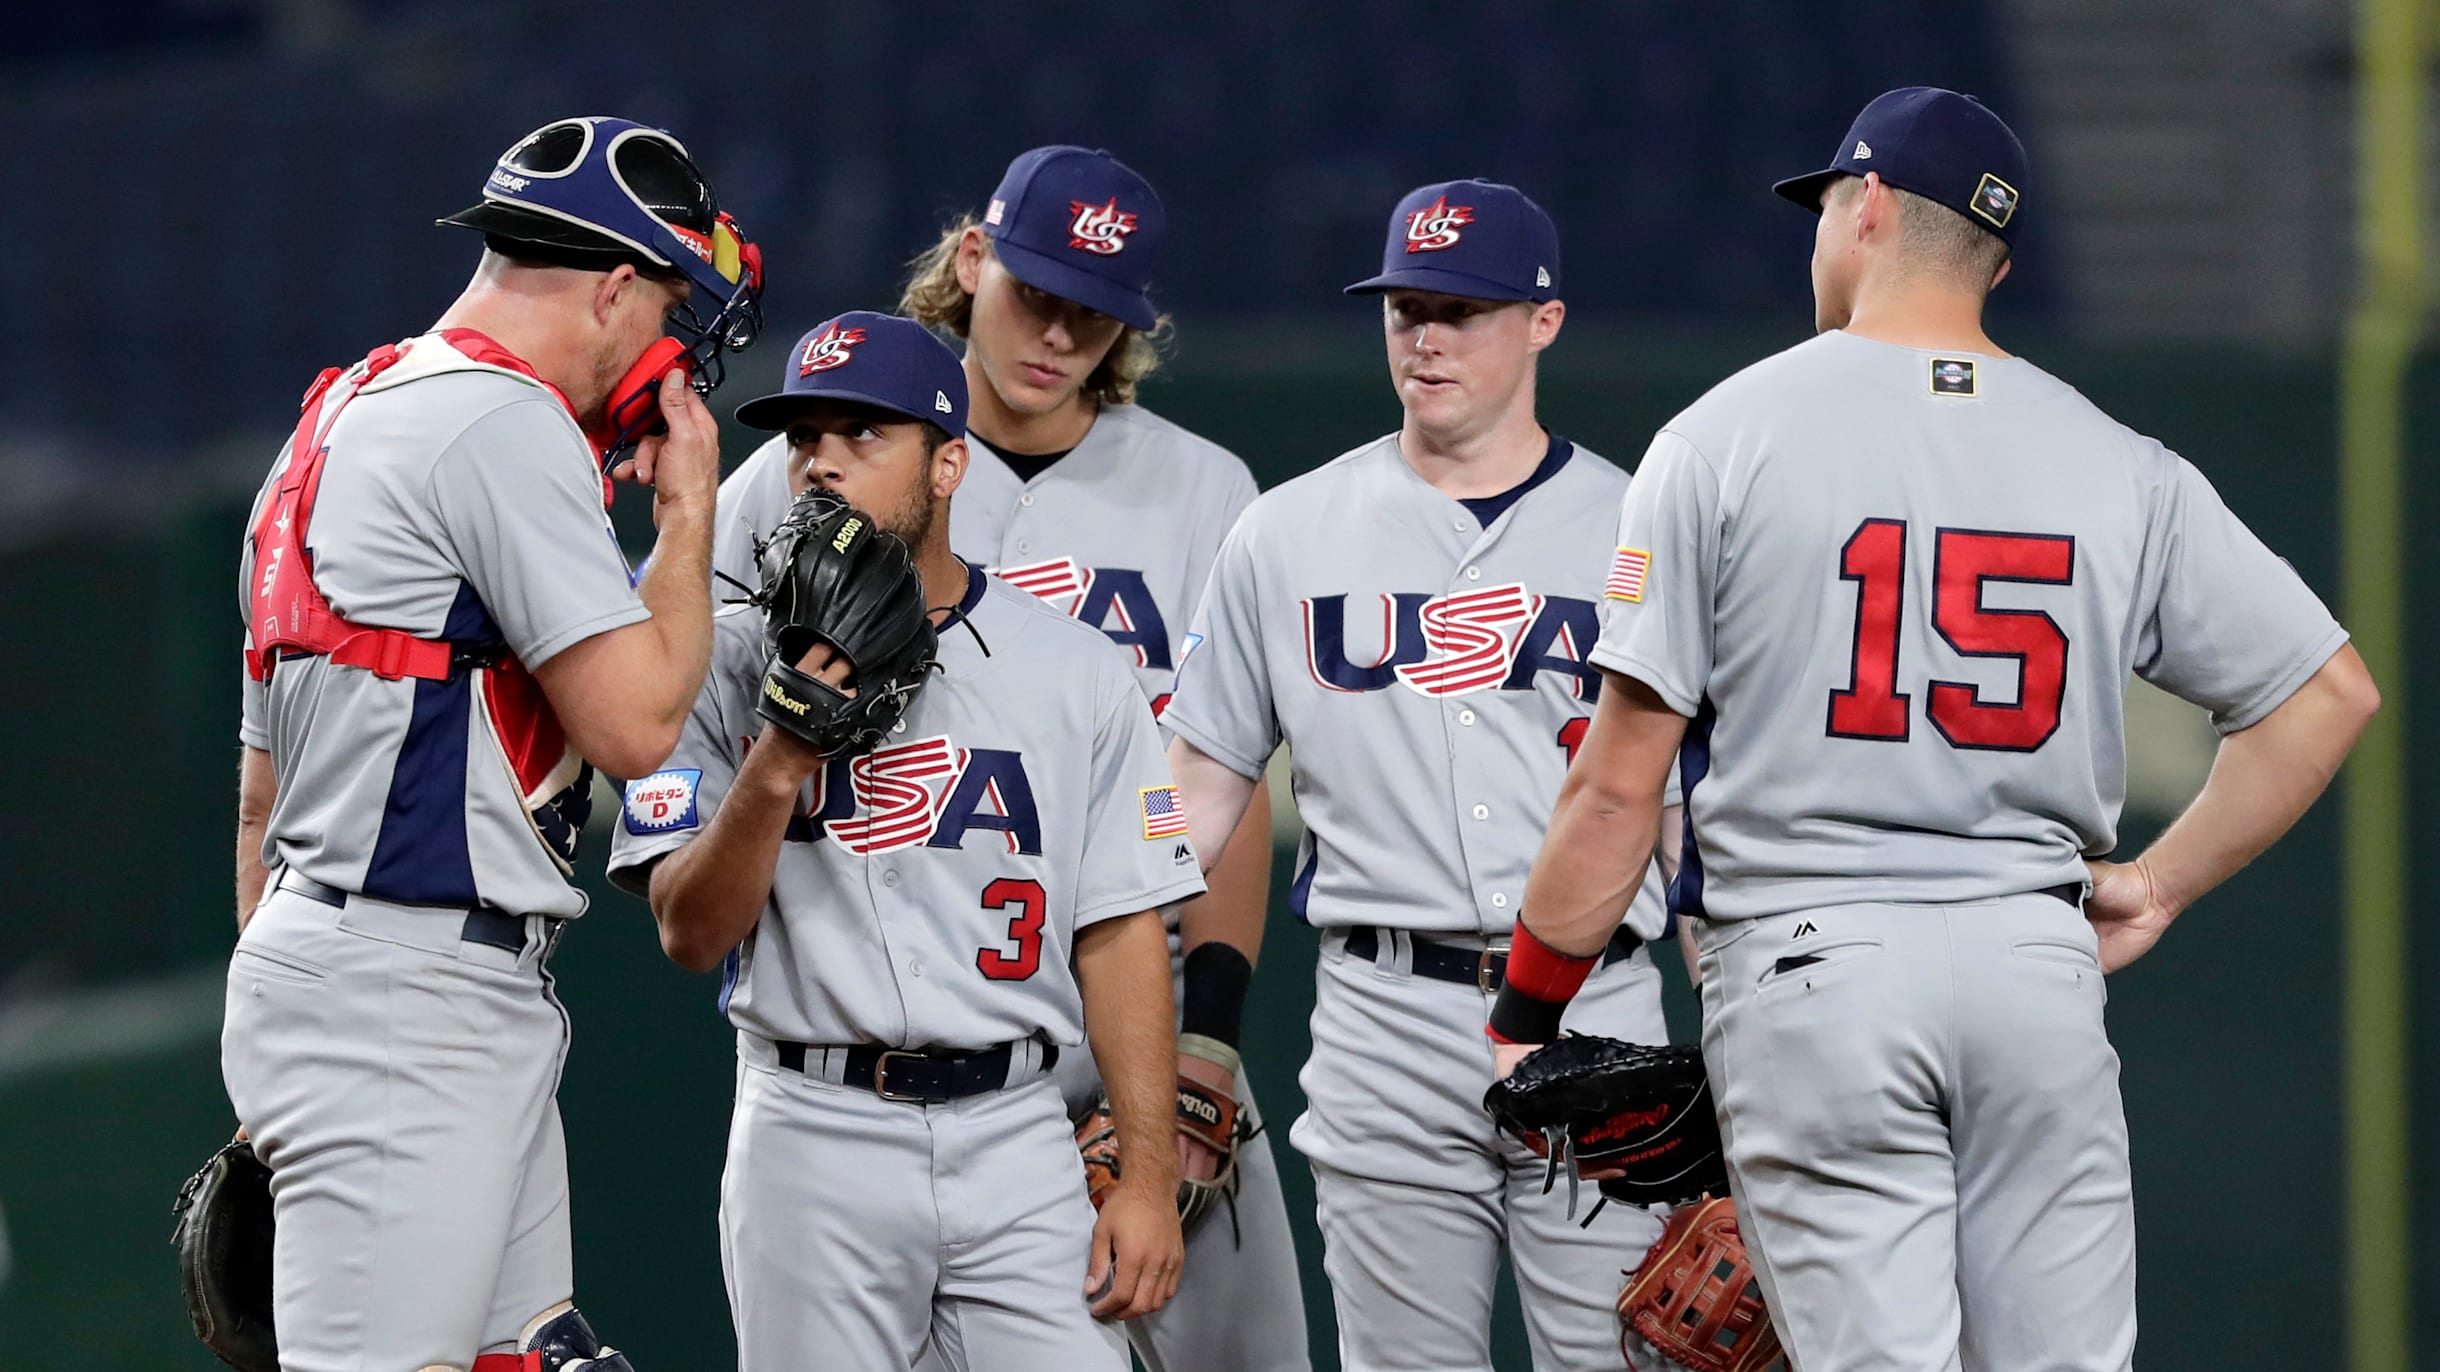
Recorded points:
(1499,638)
(1100,229)
(827,349)
(928,793)
(1435,226)
(1115,600)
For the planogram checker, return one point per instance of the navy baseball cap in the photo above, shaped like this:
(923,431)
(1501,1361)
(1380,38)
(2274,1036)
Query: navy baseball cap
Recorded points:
(873,359)
(1478,239)
(1081,225)
(1945,147)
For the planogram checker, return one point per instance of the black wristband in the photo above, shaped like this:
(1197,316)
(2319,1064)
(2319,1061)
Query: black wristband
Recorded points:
(1217,975)
(1519,1018)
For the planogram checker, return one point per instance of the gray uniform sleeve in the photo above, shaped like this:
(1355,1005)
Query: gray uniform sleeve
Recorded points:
(253,724)
(1656,605)
(521,512)
(1222,701)
(753,500)
(661,813)
(1136,856)
(2232,627)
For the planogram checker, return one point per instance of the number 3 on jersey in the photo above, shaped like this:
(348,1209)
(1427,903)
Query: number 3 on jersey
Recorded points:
(1963,561)
(1024,929)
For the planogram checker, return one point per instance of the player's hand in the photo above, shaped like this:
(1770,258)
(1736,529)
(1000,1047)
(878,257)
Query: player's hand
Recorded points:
(1506,1056)
(825,664)
(2128,910)
(1138,1252)
(682,465)
(1197,1160)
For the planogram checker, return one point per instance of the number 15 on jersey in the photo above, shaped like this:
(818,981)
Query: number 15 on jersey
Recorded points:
(1964,562)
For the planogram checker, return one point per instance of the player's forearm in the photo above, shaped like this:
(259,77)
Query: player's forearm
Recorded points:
(1122,969)
(2263,780)
(257,788)
(1220,932)
(707,895)
(677,588)
(1600,840)
(1214,795)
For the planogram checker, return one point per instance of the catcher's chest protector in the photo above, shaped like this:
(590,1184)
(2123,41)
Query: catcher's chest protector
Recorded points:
(290,616)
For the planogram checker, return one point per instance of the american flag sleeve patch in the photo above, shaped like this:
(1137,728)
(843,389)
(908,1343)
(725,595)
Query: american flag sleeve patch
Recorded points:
(1164,814)
(1627,572)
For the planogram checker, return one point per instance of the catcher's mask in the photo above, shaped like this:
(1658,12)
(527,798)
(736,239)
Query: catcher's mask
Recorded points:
(594,192)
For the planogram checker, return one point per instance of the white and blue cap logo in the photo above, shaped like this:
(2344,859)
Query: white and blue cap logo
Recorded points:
(664,802)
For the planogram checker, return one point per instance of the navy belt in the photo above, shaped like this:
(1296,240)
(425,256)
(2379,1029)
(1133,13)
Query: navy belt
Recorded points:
(1485,969)
(491,928)
(928,1078)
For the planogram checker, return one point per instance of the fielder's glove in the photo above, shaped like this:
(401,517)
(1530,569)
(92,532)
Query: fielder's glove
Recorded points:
(223,1238)
(830,575)
(1637,1117)
(1694,1297)
(1211,1118)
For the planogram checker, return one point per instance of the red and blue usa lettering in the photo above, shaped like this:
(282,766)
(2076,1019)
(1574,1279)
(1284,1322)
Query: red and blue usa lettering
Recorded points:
(1499,638)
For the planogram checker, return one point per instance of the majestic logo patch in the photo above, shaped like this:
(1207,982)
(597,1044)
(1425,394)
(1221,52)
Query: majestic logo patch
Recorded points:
(664,802)
(827,349)
(1952,376)
(1995,200)
(1435,226)
(1627,572)
(1164,813)
(1100,229)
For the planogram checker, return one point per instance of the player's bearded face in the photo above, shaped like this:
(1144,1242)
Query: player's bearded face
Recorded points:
(1458,363)
(636,320)
(1035,348)
(879,466)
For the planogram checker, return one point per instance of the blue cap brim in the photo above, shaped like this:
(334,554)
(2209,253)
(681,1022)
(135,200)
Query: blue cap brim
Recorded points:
(770,412)
(1806,190)
(1445,282)
(1070,282)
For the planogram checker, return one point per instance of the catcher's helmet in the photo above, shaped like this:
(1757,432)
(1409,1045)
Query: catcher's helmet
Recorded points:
(594,192)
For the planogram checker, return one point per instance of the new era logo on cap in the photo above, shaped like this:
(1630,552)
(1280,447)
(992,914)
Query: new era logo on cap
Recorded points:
(1435,226)
(940,402)
(1863,151)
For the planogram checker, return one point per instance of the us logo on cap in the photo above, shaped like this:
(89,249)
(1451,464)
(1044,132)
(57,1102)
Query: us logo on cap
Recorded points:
(1100,229)
(1995,200)
(1435,225)
(827,349)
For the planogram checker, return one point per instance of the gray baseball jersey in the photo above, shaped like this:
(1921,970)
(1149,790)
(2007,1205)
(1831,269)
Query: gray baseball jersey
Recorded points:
(1429,673)
(929,892)
(1120,533)
(1899,594)
(458,501)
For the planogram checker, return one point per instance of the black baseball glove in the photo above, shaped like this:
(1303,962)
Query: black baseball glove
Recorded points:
(830,575)
(223,1238)
(1636,1117)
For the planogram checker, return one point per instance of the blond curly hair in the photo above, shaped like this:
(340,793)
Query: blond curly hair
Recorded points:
(934,299)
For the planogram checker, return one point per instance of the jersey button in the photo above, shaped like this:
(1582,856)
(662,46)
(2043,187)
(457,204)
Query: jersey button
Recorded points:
(1026,499)
(1024,546)
(1465,716)
(1482,812)
(1458,524)
(914,967)
(1474,574)
(891,878)
(1499,900)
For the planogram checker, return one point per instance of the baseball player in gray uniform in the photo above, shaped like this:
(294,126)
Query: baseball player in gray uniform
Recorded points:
(912,938)
(1112,515)
(1412,620)
(441,634)
(1879,596)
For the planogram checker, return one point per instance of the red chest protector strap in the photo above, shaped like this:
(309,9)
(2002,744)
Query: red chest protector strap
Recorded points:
(289,613)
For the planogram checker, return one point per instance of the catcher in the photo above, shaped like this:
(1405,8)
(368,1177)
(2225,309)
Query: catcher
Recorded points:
(922,823)
(1639,1120)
